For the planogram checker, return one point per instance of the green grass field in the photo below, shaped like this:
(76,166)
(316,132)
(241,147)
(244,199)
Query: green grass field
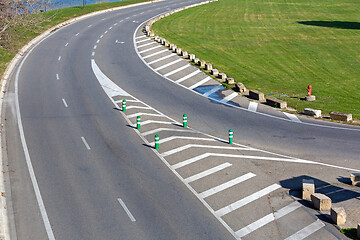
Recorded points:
(278,46)
(23,34)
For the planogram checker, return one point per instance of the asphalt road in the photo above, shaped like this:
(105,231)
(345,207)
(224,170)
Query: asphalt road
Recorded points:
(86,158)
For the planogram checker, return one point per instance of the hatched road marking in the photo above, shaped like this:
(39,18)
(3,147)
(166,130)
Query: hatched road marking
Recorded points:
(214,89)
(252,106)
(188,76)
(168,64)
(229,98)
(292,117)
(307,231)
(126,210)
(207,172)
(162,58)
(177,70)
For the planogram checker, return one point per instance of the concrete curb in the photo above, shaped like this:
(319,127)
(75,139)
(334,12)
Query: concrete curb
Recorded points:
(4,217)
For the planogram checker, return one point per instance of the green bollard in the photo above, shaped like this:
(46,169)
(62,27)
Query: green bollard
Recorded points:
(124,105)
(184,120)
(231,134)
(138,120)
(157,138)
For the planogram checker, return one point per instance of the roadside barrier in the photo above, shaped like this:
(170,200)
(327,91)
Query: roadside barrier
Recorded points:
(157,138)
(138,121)
(231,135)
(124,105)
(184,120)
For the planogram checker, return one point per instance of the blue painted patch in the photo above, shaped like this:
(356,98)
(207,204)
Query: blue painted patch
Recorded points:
(216,96)
(205,89)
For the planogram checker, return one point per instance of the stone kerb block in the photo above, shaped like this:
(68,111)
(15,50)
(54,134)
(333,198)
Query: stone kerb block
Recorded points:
(355,179)
(202,64)
(196,60)
(338,215)
(208,66)
(147,28)
(174,48)
(163,41)
(312,112)
(230,81)
(321,201)
(253,94)
(184,54)
(276,103)
(151,34)
(240,87)
(346,117)
(215,72)
(178,51)
(222,76)
(167,44)
(308,188)
(191,57)
(358,231)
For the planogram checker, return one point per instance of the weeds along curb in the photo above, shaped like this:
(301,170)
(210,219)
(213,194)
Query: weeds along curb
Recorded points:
(4,214)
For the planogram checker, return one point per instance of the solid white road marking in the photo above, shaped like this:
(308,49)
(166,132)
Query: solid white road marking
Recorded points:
(292,117)
(146,44)
(126,210)
(307,231)
(188,76)
(85,143)
(34,182)
(65,104)
(162,58)
(138,107)
(127,100)
(229,98)
(200,83)
(177,70)
(252,106)
(267,219)
(144,114)
(152,121)
(207,172)
(226,185)
(110,88)
(182,148)
(148,39)
(242,202)
(57,77)
(168,139)
(59,58)
(168,64)
(153,54)
(214,89)
(149,49)
(66,44)
(164,129)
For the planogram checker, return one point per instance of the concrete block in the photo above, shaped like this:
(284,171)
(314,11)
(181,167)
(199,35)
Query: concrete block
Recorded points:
(312,112)
(196,60)
(338,215)
(310,98)
(321,201)
(208,66)
(178,51)
(276,103)
(163,41)
(253,94)
(202,64)
(230,81)
(147,28)
(358,231)
(191,57)
(184,54)
(171,46)
(222,76)
(240,87)
(308,188)
(174,48)
(167,44)
(215,72)
(355,179)
(346,117)
(151,34)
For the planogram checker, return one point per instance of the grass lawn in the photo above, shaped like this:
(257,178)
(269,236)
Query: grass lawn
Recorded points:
(278,47)
(22,35)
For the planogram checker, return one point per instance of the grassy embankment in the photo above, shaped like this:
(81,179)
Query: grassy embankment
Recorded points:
(278,46)
(22,35)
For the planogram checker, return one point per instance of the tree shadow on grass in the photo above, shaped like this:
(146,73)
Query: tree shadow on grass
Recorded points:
(333,24)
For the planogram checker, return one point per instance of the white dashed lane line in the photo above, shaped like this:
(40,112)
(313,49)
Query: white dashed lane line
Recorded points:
(66,44)
(59,58)
(77,34)
(85,143)
(126,210)
(64,102)
(57,77)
